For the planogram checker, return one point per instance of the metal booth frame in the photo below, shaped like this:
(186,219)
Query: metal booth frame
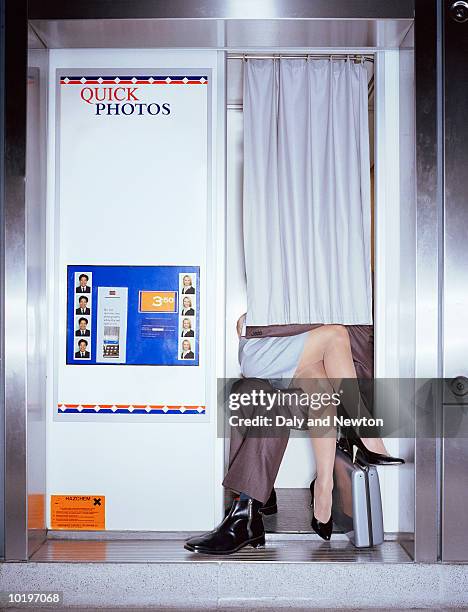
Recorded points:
(429,25)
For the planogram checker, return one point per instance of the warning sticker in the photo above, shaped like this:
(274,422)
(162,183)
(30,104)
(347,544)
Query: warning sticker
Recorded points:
(87,512)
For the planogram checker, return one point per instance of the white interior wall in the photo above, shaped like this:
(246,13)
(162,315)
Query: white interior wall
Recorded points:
(147,470)
(395,244)
(387,254)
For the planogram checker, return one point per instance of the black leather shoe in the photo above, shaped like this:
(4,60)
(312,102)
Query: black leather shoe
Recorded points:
(243,525)
(324,530)
(270,506)
(355,447)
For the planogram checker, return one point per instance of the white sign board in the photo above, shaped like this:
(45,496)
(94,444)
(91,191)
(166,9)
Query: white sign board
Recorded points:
(132,187)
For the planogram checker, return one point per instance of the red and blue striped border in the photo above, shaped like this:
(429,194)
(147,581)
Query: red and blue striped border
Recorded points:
(130,409)
(135,80)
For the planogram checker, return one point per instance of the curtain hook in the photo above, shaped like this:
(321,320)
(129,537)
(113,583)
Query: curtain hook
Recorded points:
(244,59)
(307,58)
(362,60)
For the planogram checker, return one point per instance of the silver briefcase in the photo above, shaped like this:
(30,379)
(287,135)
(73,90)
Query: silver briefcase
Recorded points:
(357,504)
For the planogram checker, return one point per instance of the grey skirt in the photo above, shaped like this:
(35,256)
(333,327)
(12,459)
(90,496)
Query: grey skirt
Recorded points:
(272,358)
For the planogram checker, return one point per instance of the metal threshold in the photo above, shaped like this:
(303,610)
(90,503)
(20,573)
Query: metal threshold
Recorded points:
(307,549)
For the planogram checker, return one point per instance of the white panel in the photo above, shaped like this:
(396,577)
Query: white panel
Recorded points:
(147,471)
(298,466)
(394,265)
(387,214)
(387,254)
(126,199)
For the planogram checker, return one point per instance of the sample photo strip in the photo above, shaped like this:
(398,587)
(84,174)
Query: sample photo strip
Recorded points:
(187,327)
(83,282)
(83,326)
(82,348)
(186,348)
(187,316)
(83,305)
(82,315)
(83,293)
(187,306)
(187,283)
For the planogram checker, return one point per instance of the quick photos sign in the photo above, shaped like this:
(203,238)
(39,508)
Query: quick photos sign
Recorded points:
(129,95)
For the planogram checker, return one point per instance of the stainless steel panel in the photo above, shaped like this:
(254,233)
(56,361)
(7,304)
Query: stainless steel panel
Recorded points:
(455,450)
(408,41)
(222,9)
(336,34)
(14,274)
(456,199)
(2,292)
(231,34)
(455,496)
(128,33)
(34,42)
(428,256)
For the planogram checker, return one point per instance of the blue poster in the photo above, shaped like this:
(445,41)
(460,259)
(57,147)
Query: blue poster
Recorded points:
(133,315)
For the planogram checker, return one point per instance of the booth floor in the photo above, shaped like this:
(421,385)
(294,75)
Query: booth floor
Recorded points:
(299,548)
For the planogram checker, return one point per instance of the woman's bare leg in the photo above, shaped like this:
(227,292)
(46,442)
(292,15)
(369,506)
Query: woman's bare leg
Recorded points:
(339,364)
(312,378)
(330,345)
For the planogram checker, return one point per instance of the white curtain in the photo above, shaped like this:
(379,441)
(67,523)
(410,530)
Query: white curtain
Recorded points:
(306,192)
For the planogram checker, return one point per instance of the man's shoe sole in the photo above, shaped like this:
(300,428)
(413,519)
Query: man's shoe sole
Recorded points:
(258,542)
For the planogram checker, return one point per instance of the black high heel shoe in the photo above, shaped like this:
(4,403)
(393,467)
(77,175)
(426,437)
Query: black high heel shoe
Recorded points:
(324,530)
(352,445)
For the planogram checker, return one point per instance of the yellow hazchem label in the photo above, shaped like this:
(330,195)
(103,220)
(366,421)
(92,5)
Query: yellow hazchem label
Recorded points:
(86,512)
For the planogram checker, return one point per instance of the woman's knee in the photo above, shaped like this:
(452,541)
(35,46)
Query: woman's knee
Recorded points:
(338,333)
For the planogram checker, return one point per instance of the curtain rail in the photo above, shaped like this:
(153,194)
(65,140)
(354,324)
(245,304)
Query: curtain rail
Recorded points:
(353,56)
